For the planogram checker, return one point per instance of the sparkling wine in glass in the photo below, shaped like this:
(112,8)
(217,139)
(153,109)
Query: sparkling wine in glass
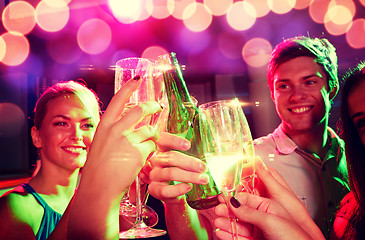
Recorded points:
(227,146)
(151,89)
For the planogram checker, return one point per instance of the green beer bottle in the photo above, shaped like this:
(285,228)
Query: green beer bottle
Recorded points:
(183,120)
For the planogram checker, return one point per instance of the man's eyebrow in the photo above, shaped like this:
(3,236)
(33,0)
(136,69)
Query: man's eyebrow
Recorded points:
(358,114)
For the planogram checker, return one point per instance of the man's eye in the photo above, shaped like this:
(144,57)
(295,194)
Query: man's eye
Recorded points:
(310,82)
(60,124)
(283,86)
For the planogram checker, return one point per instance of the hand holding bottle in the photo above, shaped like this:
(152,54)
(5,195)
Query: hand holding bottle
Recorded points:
(171,165)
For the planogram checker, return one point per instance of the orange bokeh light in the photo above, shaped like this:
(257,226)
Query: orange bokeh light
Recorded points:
(261,7)
(94,36)
(302,4)
(179,8)
(52,17)
(337,20)
(318,9)
(19,16)
(153,52)
(256,52)
(355,34)
(281,6)
(160,9)
(197,17)
(218,8)
(2,48)
(17,48)
(241,16)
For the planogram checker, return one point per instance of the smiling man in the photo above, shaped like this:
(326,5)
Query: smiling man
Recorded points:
(302,76)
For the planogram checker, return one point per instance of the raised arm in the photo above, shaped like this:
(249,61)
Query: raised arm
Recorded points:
(117,154)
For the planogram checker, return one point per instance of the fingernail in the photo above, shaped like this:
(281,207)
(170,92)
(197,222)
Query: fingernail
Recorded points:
(204,179)
(235,203)
(185,145)
(136,78)
(203,167)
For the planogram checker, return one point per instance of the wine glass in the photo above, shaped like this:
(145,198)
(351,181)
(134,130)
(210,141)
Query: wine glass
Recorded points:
(151,89)
(227,146)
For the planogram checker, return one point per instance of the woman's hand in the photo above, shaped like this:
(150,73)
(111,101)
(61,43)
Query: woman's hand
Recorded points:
(279,214)
(117,154)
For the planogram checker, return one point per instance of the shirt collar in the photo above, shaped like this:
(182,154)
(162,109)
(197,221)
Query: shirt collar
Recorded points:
(283,143)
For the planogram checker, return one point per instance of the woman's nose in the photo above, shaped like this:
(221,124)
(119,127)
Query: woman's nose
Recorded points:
(76,134)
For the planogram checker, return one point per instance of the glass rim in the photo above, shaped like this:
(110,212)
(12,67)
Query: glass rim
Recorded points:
(217,102)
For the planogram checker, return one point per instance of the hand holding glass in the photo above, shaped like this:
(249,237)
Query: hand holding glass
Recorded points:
(151,89)
(227,146)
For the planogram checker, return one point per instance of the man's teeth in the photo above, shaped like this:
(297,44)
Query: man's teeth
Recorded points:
(74,149)
(300,110)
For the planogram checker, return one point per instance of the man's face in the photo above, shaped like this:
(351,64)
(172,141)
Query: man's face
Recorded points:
(300,95)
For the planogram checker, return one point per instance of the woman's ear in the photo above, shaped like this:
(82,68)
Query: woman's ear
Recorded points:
(36,138)
(334,92)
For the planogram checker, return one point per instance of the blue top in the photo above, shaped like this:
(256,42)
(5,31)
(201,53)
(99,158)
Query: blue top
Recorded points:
(50,217)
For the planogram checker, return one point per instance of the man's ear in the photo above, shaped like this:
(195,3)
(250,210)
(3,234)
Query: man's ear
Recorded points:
(334,92)
(36,138)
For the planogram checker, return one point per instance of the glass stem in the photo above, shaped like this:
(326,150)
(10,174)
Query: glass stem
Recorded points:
(139,221)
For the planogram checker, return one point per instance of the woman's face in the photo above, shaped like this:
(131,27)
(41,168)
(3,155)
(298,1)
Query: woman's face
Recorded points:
(356,103)
(66,133)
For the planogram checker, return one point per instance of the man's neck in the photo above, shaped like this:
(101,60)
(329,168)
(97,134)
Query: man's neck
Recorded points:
(313,141)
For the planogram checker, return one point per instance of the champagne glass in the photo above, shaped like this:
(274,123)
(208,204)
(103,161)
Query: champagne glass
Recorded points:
(227,146)
(151,89)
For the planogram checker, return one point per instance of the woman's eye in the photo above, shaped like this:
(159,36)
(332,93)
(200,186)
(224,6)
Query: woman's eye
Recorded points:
(88,125)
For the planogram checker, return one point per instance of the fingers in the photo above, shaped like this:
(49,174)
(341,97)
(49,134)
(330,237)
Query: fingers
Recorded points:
(169,141)
(180,160)
(137,113)
(116,105)
(164,191)
(142,134)
(274,185)
(244,230)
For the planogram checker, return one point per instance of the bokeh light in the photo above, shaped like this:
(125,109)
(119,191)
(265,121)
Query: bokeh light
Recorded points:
(153,52)
(161,8)
(318,9)
(218,8)
(94,36)
(256,52)
(302,4)
(2,48)
(281,6)
(241,16)
(17,48)
(197,17)
(355,34)
(337,20)
(230,45)
(52,17)
(19,16)
(261,7)
(179,8)
(64,49)
(12,119)
(125,11)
